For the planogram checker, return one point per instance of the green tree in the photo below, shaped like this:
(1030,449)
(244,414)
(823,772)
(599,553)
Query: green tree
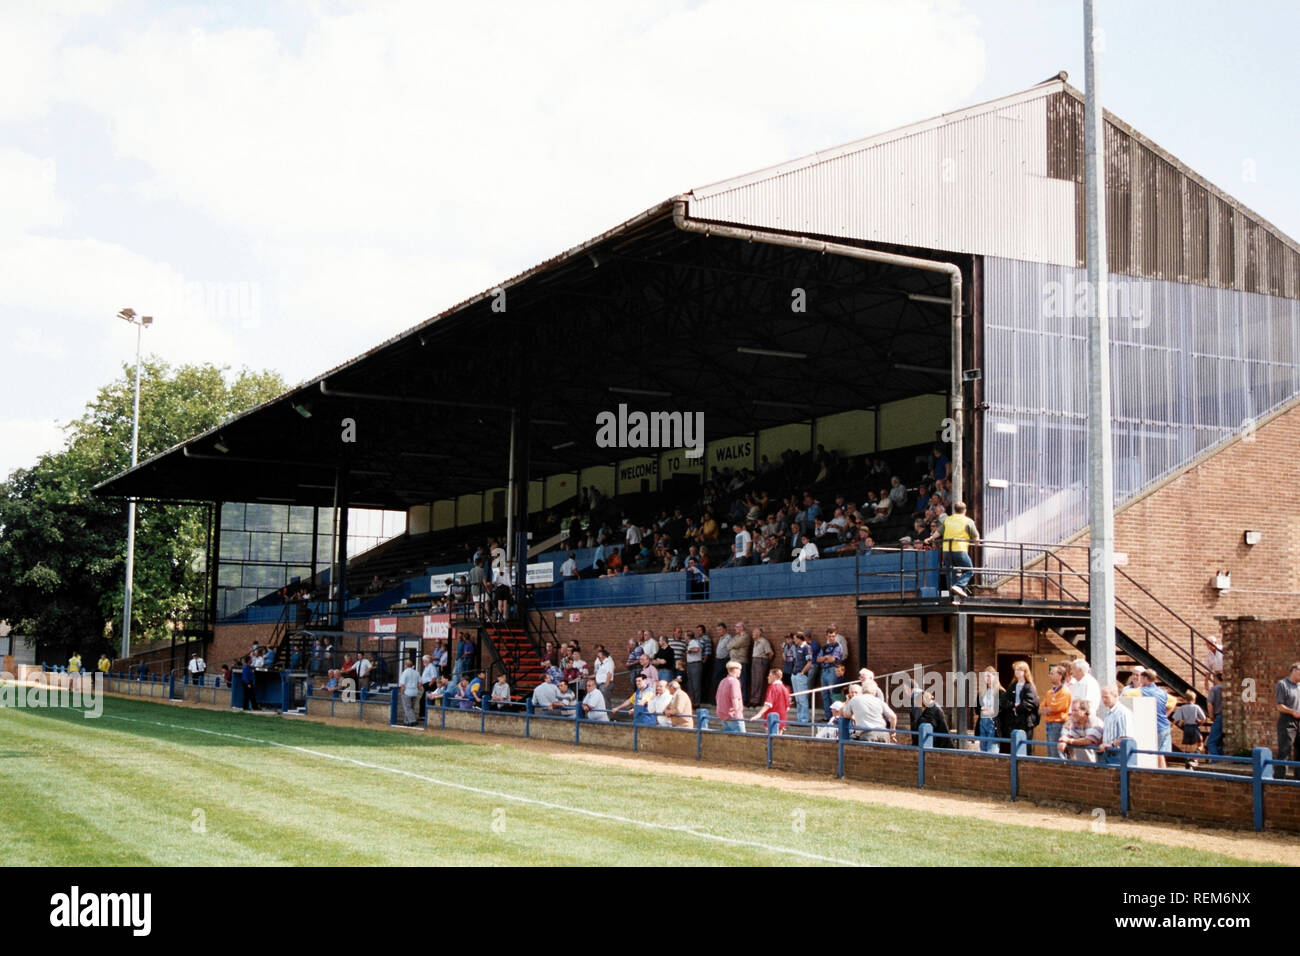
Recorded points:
(63,551)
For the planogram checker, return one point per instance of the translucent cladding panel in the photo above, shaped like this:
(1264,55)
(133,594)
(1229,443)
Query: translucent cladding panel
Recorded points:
(296,547)
(232,515)
(264,517)
(1190,366)
(229,576)
(848,433)
(263,546)
(536,494)
(263,576)
(300,518)
(418,518)
(325,521)
(234,545)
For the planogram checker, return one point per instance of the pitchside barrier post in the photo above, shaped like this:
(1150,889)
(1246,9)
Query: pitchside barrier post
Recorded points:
(1019,748)
(701,726)
(843,724)
(392,706)
(773,721)
(171,687)
(442,707)
(1127,757)
(1261,770)
(482,718)
(528,718)
(636,743)
(924,740)
(577,724)
(284,693)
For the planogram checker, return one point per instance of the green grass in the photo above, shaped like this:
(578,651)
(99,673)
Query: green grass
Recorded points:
(124,789)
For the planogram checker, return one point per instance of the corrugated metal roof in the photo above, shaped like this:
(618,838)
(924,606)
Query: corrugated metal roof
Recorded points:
(1005,178)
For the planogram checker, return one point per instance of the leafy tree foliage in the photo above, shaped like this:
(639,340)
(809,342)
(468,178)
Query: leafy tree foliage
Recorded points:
(63,551)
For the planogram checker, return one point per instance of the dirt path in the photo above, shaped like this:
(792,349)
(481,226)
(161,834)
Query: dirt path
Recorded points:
(1242,844)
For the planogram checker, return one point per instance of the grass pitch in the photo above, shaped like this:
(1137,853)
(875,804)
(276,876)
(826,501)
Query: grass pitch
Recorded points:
(152,784)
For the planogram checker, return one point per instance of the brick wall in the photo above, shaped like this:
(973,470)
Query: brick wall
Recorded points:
(1256,655)
(1204,800)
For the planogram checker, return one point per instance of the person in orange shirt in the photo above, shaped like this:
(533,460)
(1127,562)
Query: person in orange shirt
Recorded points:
(1055,708)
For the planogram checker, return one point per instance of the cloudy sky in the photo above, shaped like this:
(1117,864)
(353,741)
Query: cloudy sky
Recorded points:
(285,185)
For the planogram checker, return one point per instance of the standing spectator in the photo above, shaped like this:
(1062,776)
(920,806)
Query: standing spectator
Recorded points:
(1215,699)
(1083,685)
(409,680)
(363,668)
(464,657)
(731,701)
(932,715)
(741,648)
(831,657)
(569,569)
(1188,716)
(1288,719)
(959,533)
(1163,736)
(593,704)
(104,665)
(648,669)
(1055,709)
(248,675)
(1214,656)
(802,663)
(227,675)
(721,651)
(604,674)
(1024,700)
(694,666)
(665,661)
(778,699)
(428,678)
(679,709)
(1081,734)
(1115,727)
(677,643)
(760,662)
(991,697)
(478,585)
(197,668)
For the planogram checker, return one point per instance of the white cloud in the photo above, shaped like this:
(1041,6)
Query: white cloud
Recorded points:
(27,192)
(24,440)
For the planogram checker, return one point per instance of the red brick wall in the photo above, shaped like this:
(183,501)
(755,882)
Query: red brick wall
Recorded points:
(1256,655)
(1204,800)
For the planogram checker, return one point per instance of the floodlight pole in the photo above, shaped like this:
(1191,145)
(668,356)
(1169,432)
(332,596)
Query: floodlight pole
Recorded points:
(130,507)
(1101,475)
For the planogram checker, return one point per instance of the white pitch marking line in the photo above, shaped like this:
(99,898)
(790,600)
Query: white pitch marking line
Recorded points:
(505,796)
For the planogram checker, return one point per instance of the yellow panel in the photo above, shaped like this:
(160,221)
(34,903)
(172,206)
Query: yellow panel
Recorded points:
(417,519)
(911,421)
(735,453)
(469,510)
(631,471)
(674,463)
(601,477)
(773,441)
(560,488)
(849,433)
(536,491)
(444,514)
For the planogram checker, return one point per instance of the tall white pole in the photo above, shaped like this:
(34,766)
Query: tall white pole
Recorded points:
(130,508)
(1101,480)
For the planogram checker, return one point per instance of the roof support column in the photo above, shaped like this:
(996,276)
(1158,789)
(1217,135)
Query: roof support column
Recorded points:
(520,481)
(341,562)
(510,491)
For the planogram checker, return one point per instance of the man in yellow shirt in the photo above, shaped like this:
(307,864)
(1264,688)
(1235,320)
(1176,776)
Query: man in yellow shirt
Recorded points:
(959,533)
(104,664)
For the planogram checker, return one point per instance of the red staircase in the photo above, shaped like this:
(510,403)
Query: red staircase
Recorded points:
(517,654)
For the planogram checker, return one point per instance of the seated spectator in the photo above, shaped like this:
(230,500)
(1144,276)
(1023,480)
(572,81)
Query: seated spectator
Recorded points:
(331,685)
(545,695)
(639,702)
(678,710)
(872,718)
(832,729)
(1081,734)
(501,693)
(566,700)
(660,702)
(593,704)
(463,697)
(897,493)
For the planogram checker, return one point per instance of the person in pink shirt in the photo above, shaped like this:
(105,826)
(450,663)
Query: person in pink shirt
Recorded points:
(777,700)
(730,701)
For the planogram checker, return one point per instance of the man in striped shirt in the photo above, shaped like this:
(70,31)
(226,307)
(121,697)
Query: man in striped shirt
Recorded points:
(1115,727)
